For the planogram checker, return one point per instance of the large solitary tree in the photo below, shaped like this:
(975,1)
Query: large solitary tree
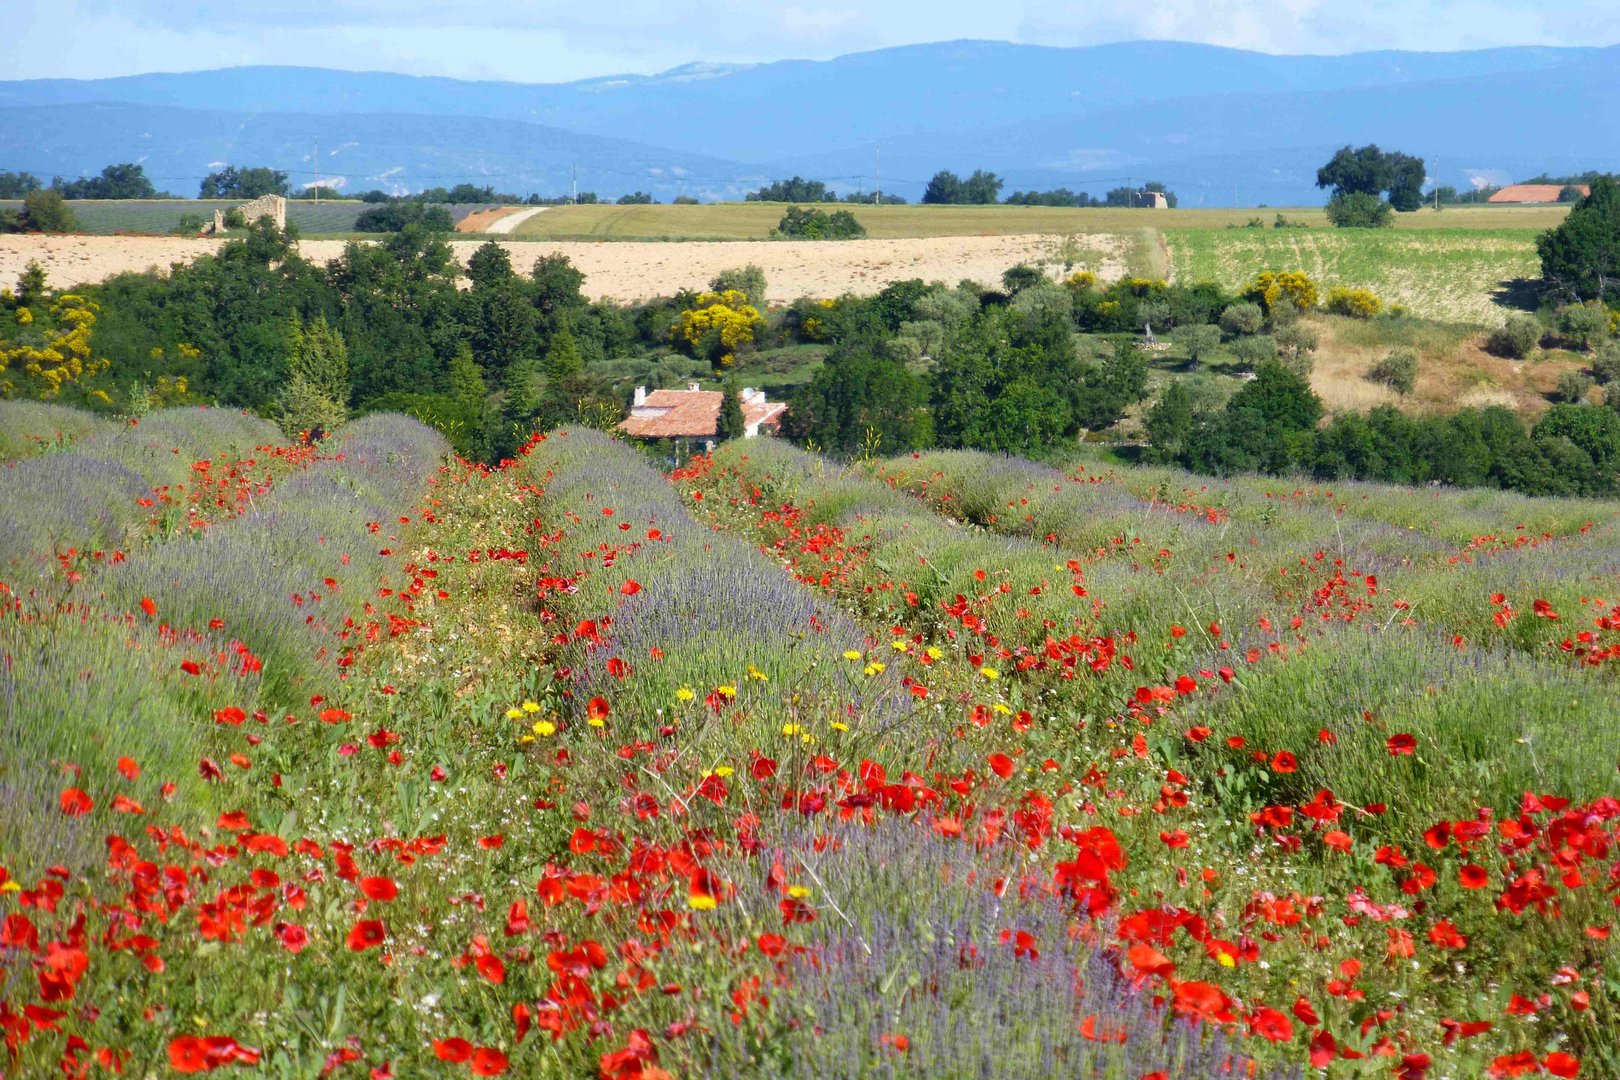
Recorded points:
(1371,171)
(1581,258)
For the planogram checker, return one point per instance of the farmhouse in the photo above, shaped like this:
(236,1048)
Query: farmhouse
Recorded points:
(692,416)
(1534,193)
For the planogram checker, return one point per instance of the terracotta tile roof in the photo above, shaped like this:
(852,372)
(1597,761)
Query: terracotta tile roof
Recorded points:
(687,414)
(1531,193)
(693,414)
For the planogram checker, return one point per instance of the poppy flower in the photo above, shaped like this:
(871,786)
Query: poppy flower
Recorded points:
(597,710)
(630,587)
(1002,765)
(293,937)
(367,934)
(488,1061)
(454,1051)
(128,769)
(75,803)
(188,1054)
(149,606)
(1473,877)
(1284,762)
(1402,744)
(379,888)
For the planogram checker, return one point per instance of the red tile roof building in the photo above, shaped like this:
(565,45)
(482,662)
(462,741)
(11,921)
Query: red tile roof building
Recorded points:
(694,414)
(1534,193)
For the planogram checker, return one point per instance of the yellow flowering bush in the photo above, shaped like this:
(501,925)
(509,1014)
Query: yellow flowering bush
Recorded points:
(720,324)
(1356,303)
(1277,286)
(53,353)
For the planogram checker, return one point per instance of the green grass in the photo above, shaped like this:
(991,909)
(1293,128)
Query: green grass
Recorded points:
(1452,274)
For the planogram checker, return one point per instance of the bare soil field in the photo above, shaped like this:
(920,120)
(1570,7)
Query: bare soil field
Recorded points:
(628,270)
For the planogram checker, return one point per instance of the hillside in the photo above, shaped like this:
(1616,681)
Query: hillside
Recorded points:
(1205,119)
(779,767)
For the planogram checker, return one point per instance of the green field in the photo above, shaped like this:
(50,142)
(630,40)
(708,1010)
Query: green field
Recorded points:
(754,221)
(1454,274)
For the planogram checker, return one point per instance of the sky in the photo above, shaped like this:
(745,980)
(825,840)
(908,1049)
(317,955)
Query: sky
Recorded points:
(548,41)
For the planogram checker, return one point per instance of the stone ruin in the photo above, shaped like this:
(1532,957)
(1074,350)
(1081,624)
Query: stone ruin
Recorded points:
(273,207)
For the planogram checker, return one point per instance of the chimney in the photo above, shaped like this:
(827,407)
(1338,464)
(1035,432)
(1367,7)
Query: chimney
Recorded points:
(641,397)
(692,387)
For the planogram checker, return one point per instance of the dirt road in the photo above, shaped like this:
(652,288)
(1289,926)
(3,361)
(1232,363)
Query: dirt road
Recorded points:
(629,270)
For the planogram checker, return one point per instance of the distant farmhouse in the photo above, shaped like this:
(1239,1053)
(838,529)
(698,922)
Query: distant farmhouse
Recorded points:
(691,417)
(1535,193)
(1150,200)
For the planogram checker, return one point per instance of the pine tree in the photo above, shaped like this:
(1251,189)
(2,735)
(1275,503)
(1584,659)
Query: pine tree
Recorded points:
(563,359)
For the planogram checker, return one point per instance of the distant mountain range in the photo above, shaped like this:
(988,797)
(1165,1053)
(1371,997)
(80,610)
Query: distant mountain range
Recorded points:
(1219,126)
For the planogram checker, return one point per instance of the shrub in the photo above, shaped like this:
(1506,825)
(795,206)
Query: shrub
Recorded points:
(1582,326)
(1398,371)
(748,280)
(1356,303)
(394,216)
(1244,318)
(1606,364)
(1275,288)
(46,211)
(1573,386)
(718,325)
(1516,339)
(809,223)
(1360,210)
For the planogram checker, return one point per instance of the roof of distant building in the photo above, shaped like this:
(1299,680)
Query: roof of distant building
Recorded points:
(695,414)
(1534,193)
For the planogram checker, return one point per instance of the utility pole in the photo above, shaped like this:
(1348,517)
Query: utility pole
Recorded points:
(877,175)
(576,184)
(1437,183)
(317,184)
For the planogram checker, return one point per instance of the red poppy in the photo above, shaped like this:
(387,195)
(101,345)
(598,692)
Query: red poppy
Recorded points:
(630,587)
(188,1054)
(490,967)
(1473,877)
(379,888)
(1271,1025)
(1402,744)
(1285,762)
(367,934)
(1561,1064)
(488,1061)
(1002,765)
(597,709)
(293,936)
(75,803)
(149,606)
(128,769)
(454,1051)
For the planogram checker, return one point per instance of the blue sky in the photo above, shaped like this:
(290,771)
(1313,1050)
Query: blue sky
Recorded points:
(545,41)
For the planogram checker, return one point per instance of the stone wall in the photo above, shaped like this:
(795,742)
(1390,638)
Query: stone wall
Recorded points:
(271,206)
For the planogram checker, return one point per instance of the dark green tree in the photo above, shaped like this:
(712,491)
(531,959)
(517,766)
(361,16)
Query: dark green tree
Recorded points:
(233,183)
(126,181)
(944,188)
(730,424)
(1580,259)
(1170,422)
(46,211)
(489,265)
(14,185)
